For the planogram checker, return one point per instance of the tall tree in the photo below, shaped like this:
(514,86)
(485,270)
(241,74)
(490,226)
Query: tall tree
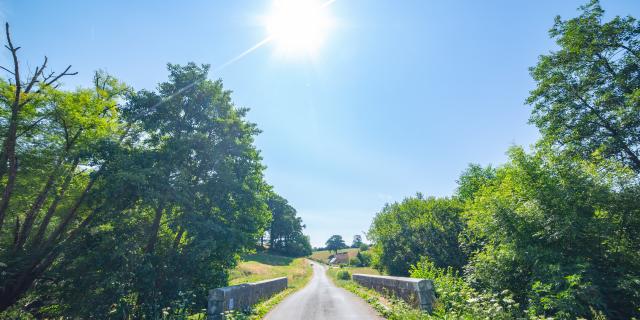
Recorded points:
(587,98)
(357,241)
(61,142)
(285,231)
(335,243)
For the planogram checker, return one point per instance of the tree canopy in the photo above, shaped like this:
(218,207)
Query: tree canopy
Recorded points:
(555,231)
(587,97)
(125,204)
(285,231)
(335,243)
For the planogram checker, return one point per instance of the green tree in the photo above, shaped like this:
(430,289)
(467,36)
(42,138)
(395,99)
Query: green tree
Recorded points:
(404,232)
(56,138)
(472,180)
(357,241)
(285,231)
(203,202)
(335,243)
(587,98)
(559,236)
(131,210)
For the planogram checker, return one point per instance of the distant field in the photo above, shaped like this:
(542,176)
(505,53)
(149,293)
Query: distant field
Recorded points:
(323,256)
(261,266)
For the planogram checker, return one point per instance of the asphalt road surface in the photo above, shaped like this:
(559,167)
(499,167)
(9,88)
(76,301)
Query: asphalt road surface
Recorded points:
(321,300)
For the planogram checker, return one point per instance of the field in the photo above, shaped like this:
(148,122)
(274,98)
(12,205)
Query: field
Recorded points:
(323,256)
(261,266)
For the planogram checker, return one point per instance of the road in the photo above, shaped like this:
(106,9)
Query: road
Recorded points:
(322,300)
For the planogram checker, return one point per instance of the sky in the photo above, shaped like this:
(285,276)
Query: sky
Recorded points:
(398,97)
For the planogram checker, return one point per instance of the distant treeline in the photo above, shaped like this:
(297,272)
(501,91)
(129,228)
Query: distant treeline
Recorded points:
(123,204)
(555,231)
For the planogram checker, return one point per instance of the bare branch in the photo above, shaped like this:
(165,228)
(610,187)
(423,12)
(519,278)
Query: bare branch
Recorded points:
(7,70)
(36,75)
(16,66)
(64,73)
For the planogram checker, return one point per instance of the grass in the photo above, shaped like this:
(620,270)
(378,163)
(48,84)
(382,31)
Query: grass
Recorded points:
(263,266)
(392,309)
(323,256)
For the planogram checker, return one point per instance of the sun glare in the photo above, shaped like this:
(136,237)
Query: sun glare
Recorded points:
(298,26)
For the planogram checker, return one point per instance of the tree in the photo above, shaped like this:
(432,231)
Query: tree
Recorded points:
(404,232)
(558,236)
(472,180)
(587,98)
(129,210)
(58,140)
(357,241)
(335,243)
(285,230)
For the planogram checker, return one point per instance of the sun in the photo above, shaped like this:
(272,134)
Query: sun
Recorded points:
(298,26)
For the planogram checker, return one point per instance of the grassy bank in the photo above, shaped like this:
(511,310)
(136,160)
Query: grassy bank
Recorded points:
(263,266)
(392,309)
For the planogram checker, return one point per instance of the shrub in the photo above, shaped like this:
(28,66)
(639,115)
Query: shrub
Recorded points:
(458,300)
(364,258)
(343,275)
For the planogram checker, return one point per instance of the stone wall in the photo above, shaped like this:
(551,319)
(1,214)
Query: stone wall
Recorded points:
(242,296)
(417,292)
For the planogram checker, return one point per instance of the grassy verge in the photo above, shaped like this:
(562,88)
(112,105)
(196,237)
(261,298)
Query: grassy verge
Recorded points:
(262,266)
(389,308)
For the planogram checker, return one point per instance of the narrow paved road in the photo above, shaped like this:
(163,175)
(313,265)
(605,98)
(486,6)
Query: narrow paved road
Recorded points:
(322,300)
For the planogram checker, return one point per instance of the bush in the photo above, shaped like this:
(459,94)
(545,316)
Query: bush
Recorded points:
(364,259)
(343,275)
(458,300)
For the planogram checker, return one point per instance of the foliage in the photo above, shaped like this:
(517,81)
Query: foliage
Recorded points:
(335,243)
(587,97)
(404,232)
(456,299)
(357,241)
(343,275)
(363,259)
(558,236)
(285,231)
(128,204)
(472,180)
(553,233)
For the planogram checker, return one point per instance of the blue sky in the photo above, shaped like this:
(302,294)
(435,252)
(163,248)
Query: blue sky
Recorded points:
(400,97)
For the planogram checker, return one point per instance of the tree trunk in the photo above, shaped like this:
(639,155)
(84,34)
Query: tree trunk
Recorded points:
(72,213)
(153,232)
(54,205)
(10,155)
(178,238)
(30,216)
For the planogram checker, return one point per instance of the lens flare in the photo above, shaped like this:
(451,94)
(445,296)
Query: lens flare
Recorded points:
(298,26)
